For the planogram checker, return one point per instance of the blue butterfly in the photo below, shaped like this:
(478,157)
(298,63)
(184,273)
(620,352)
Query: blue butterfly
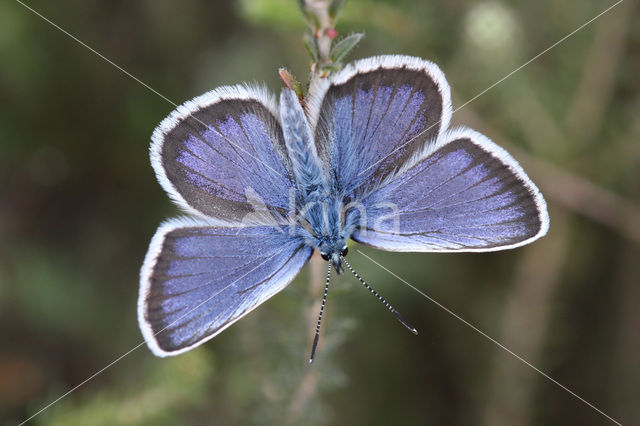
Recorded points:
(369,157)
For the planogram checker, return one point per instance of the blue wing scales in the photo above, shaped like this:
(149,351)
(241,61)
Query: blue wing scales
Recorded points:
(375,114)
(198,279)
(213,149)
(463,194)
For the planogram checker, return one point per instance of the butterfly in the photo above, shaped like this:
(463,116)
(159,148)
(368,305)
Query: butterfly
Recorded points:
(369,157)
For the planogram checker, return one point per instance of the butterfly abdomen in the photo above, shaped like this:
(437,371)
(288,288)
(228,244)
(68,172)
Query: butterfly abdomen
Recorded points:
(302,151)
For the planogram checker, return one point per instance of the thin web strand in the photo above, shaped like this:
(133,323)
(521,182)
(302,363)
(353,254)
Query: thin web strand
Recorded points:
(132,350)
(380,298)
(494,341)
(128,74)
(175,105)
(563,39)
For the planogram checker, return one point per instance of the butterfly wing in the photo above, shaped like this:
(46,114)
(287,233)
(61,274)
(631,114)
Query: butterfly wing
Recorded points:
(375,114)
(198,279)
(220,156)
(464,193)
(219,153)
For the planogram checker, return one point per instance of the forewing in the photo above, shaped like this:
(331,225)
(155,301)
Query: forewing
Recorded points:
(463,194)
(199,279)
(375,114)
(216,152)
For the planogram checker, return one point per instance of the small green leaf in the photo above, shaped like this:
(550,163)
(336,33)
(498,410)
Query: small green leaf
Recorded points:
(344,46)
(308,15)
(335,66)
(336,7)
(291,82)
(311,45)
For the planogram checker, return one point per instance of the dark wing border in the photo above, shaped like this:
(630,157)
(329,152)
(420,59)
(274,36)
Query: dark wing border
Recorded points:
(255,93)
(146,273)
(501,155)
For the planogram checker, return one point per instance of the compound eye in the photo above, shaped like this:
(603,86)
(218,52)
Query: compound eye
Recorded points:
(344,251)
(325,256)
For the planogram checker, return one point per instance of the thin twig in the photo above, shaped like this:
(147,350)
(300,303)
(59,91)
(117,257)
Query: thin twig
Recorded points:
(307,386)
(323,34)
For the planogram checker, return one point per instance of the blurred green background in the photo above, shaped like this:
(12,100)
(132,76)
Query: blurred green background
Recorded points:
(79,203)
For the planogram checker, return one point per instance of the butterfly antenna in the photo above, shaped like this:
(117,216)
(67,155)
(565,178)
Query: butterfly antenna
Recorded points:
(324,301)
(380,298)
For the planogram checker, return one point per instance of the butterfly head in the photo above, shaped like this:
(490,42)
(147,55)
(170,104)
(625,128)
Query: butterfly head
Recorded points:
(333,253)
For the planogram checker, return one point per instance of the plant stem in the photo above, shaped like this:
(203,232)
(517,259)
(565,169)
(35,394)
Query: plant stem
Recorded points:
(324,33)
(309,381)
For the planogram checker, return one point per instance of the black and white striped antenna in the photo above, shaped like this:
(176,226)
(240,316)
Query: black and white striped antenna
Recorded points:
(380,298)
(324,301)
(368,287)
